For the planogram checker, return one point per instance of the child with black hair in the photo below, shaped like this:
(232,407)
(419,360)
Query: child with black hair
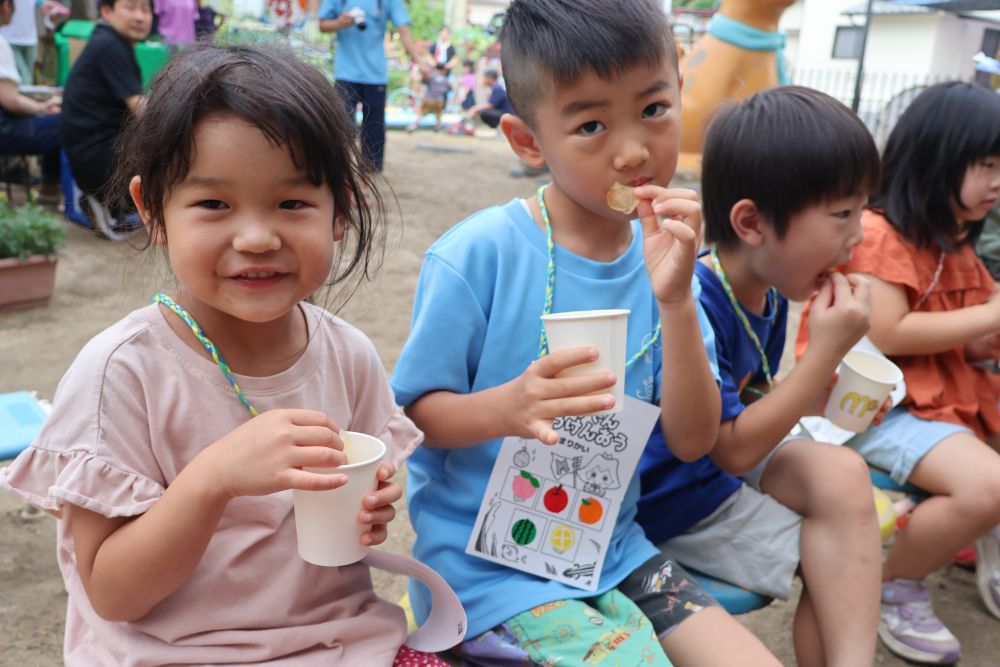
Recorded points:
(802,507)
(178,433)
(103,89)
(597,93)
(935,312)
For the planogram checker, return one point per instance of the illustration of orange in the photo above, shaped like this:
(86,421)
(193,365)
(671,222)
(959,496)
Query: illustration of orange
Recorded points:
(590,510)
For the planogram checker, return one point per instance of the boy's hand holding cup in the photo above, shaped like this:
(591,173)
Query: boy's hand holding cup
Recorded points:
(840,316)
(583,374)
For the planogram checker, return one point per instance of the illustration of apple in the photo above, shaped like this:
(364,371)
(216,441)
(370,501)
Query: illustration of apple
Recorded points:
(556,499)
(590,510)
(524,486)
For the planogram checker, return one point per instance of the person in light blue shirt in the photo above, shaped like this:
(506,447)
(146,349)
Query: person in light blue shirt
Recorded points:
(596,90)
(359,64)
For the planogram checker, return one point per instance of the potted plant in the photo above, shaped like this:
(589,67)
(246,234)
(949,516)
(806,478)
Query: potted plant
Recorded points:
(30,237)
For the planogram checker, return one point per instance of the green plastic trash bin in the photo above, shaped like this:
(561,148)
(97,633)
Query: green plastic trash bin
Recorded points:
(152,55)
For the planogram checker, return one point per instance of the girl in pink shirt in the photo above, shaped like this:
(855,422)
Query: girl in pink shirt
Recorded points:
(177,434)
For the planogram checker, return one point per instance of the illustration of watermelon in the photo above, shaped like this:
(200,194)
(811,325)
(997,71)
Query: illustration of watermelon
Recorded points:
(523,532)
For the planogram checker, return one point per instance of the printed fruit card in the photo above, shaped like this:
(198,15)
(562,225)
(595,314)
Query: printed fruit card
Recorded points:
(550,510)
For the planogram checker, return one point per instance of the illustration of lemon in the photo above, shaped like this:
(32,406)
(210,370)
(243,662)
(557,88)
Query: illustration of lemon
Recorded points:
(563,538)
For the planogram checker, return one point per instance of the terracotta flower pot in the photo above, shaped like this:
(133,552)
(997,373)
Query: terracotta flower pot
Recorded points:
(27,283)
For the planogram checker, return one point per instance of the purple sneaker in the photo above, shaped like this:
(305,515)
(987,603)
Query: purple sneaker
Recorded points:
(910,629)
(988,571)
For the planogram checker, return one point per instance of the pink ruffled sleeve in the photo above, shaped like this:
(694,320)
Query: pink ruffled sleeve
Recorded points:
(94,450)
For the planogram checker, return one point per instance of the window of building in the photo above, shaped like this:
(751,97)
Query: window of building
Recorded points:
(848,41)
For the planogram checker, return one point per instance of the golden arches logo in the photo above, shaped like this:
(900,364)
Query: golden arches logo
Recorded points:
(865,403)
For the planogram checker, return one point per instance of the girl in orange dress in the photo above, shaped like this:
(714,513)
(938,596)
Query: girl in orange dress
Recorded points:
(936,314)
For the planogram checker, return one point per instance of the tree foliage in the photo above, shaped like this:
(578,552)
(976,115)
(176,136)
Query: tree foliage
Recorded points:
(426,18)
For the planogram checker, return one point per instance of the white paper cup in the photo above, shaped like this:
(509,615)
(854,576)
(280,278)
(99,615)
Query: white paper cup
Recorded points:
(607,330)
(326,522)
(865,381)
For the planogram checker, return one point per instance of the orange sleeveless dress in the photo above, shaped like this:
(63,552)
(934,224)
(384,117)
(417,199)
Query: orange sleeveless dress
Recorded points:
(943,386)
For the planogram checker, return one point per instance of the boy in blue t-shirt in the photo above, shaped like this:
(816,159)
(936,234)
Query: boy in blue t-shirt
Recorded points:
(785,176)
(596,90)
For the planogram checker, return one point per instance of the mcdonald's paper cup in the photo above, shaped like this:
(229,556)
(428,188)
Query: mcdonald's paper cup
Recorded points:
(326,522)
(865,382)
(607,330)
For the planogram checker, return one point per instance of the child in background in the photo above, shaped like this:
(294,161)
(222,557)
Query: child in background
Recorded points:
(176,537)
(436,89)
(103,89)
(597,94)
(467,85)
(802,507)
(935,311)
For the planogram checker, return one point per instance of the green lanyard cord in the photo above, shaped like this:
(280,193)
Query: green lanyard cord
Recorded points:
(208,345)
(550,289)
(738,309)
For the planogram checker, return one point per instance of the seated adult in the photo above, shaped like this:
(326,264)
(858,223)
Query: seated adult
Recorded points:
(102,89)
(497,105)
(27,126)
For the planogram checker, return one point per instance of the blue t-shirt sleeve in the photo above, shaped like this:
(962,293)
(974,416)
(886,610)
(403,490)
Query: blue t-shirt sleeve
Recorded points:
(446,335)
(331,9)
(397,13)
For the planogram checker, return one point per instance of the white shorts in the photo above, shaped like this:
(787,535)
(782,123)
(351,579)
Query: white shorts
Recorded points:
(751,540)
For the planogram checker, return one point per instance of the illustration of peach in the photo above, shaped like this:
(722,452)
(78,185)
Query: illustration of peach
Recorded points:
(590,511)
(524,486)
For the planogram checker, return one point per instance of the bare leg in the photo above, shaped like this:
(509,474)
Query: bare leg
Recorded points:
(840,549)
(964,476)
(713,638)
(805,633)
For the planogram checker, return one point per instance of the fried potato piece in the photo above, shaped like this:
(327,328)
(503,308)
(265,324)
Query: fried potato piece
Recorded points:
(622,199)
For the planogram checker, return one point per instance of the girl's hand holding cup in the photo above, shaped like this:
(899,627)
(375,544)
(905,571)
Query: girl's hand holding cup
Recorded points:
(266,454)
(377,509)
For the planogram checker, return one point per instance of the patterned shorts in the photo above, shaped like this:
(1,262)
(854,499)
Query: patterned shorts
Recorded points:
(621,627)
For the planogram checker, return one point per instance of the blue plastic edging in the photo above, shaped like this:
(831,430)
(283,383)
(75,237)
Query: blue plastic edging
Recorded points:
(733,599)
(21,417)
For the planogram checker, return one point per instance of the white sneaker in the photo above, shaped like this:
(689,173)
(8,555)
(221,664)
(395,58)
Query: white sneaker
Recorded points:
(988,571)
(106,225)
(909,627)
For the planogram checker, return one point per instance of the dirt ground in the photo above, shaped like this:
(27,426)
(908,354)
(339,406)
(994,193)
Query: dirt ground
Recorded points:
(437,180)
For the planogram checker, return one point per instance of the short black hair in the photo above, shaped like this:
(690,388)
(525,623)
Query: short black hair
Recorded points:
(291,102)
(785,148)
(545,42)
(946,129)
(492,74)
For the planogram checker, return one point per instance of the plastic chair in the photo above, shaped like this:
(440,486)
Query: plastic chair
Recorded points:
(72,194)
(882,480)
(733,599)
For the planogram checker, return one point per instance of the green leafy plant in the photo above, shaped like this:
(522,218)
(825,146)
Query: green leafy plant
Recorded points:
(29,230)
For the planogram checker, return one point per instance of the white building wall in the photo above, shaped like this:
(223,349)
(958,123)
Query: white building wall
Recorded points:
(815,23)
(902,43)
(957,41)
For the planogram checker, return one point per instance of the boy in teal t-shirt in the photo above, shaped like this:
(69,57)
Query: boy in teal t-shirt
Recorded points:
(596,90)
